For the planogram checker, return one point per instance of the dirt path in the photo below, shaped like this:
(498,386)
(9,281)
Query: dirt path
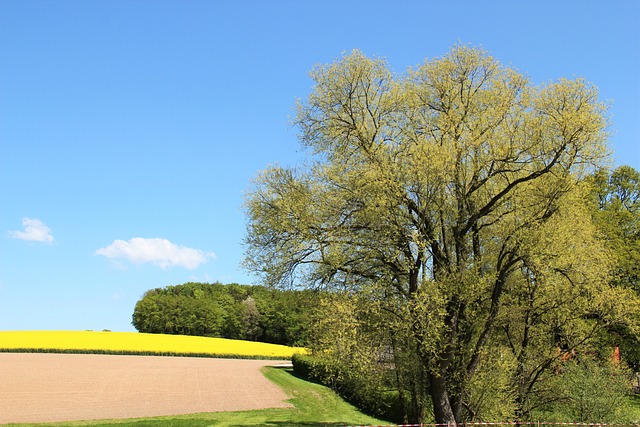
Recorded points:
(65,387)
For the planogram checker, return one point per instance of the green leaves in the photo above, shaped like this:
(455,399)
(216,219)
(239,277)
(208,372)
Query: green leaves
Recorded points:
(449,201)
(230,311)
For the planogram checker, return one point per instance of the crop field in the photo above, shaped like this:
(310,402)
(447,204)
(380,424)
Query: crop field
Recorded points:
(134,391)
(95,384)
(139,344)
(38,387)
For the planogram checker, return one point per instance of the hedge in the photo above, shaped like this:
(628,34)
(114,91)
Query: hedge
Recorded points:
(384,404)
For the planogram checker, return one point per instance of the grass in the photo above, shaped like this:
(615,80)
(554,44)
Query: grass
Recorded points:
(634,408)
(138,343)
(314,406)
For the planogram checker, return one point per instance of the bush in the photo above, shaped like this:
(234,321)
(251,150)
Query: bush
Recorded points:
(375,401)
(591,391)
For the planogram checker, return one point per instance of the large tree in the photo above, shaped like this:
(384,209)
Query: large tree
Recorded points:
(447,193)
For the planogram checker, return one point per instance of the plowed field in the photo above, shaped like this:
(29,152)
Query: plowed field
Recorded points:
(65,387)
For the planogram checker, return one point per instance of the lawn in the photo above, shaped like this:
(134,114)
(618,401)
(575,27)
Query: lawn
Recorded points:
(138,343)
(314,405)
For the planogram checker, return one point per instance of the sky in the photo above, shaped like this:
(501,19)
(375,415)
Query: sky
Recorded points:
(130,130)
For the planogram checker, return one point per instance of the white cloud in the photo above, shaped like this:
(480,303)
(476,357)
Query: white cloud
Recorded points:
(156,251)
(34,231)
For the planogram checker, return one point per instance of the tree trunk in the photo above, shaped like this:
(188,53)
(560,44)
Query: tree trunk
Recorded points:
(440,397)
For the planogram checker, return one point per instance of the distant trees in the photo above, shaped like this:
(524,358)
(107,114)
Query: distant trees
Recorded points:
(228,311)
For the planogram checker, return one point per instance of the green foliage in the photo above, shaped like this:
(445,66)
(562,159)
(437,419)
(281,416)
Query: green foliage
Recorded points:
(178,314)
(378,401)
(228,311)
(634,408)
(491,391)
(449,204)
(349,336)
(590,391)
(615,202)
(312,368)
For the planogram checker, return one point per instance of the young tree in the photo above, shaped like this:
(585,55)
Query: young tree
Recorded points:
(251,319)
(439,193)
(591,390)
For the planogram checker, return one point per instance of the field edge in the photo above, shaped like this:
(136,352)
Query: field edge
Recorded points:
(143,353)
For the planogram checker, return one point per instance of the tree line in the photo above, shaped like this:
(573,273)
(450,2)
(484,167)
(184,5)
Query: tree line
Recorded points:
(232,311)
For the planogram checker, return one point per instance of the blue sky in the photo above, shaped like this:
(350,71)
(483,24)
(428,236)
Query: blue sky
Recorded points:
(130,129)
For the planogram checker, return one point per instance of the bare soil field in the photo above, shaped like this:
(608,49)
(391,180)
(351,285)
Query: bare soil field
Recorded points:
(66,387)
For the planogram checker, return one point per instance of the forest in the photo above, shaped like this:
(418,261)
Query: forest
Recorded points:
(232,311)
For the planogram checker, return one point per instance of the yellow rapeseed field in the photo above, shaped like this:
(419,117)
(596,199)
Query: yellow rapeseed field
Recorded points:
(138,343)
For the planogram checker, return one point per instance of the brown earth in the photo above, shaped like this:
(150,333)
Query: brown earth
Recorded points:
(65,387)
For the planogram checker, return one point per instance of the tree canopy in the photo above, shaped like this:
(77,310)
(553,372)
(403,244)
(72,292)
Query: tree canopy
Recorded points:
(450,201)
(229,311)
(616,211)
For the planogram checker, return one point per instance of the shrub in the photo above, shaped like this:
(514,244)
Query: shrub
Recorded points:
(374,400)
(591,391)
